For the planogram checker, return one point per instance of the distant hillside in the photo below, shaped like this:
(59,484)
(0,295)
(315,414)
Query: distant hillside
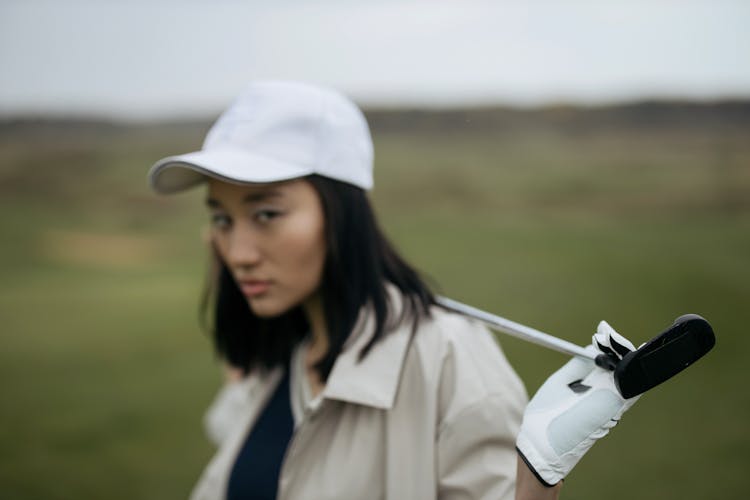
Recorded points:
(661,114)
(567,118)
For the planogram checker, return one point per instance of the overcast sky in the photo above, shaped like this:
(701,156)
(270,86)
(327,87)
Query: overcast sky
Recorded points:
(155,58)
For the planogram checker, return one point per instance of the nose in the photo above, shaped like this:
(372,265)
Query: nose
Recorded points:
(241,248)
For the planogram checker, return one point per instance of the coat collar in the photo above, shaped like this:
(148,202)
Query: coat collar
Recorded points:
(374,380)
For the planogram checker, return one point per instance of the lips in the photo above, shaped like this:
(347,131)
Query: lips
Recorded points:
(253,288)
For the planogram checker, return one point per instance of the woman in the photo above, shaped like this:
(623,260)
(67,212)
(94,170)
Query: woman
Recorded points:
(353,383)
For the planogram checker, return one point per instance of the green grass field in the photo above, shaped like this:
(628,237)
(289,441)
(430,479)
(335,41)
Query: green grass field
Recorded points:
(570,217)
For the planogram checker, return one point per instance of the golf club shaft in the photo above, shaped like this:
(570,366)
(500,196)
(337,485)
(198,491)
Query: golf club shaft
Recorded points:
(517,330)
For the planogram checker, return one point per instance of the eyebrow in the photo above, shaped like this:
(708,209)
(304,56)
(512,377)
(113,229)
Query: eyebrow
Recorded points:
(249,198)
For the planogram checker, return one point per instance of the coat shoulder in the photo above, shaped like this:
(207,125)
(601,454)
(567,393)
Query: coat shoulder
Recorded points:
(466,362)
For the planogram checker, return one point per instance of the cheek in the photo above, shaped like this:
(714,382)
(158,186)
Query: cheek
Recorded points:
(218,245)
(303,251)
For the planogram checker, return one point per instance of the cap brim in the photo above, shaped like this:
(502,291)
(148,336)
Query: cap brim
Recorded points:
(177,173)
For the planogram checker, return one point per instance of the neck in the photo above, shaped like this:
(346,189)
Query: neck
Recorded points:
(316,318)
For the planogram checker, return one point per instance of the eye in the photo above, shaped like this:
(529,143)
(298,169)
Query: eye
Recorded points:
(265,216)
(220,221)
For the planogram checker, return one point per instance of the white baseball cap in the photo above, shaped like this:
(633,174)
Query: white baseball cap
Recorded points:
(275,131)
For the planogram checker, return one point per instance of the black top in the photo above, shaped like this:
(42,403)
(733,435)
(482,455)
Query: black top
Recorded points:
(255,474)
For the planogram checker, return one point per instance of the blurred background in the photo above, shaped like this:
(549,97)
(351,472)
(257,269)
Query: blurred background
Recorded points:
(555,163)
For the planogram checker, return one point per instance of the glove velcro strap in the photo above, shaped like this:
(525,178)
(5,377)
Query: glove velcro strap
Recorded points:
(546,473)
(533,470)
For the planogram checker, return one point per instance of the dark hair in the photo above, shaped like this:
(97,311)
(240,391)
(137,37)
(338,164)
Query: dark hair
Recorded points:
(359,263)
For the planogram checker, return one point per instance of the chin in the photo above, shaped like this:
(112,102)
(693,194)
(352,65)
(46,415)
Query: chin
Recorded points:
(267,308)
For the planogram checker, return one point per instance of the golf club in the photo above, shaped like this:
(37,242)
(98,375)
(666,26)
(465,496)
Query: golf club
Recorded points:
(661,358)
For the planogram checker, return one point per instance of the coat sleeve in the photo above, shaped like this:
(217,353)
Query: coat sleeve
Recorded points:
(476,451)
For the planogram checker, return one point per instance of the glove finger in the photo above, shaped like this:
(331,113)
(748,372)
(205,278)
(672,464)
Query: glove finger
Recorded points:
(618,342)
(602,343)
(610,342)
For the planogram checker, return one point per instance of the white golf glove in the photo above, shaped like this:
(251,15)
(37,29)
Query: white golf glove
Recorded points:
(575,406)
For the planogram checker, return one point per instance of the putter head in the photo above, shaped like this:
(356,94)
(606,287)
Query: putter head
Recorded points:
(664,356)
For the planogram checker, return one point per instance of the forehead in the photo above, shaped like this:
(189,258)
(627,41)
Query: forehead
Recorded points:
(219,188)
(225,192)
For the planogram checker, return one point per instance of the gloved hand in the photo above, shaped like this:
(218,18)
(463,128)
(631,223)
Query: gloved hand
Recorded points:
(575,406)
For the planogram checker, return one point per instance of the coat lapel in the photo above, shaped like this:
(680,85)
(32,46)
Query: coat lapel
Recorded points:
(374,380)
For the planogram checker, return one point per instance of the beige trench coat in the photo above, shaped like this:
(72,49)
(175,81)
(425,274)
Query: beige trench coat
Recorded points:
(429,416)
